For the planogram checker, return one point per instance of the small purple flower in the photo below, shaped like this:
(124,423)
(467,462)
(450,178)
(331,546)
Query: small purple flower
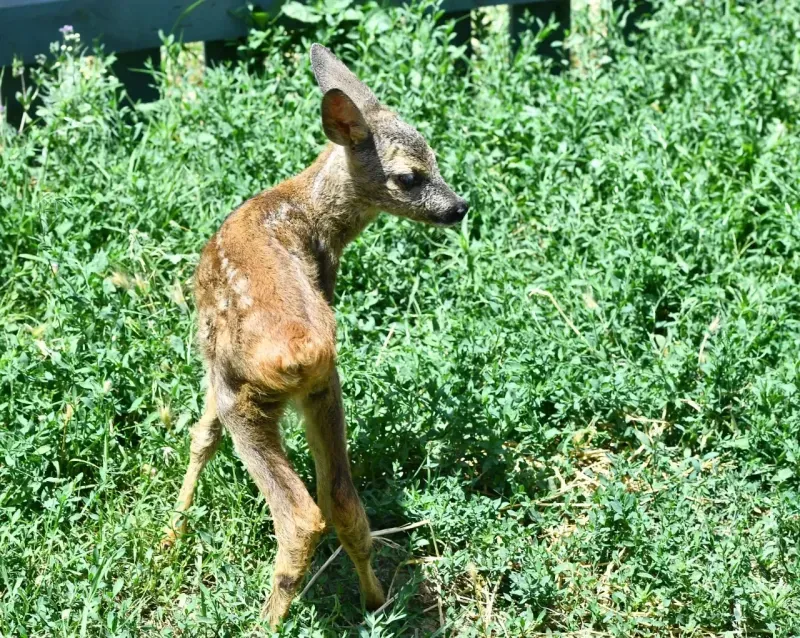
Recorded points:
(66,29)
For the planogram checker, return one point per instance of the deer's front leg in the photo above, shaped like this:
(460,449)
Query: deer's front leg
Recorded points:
(336,494)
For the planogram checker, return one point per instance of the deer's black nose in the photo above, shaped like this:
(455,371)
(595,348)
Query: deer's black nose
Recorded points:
(456,213)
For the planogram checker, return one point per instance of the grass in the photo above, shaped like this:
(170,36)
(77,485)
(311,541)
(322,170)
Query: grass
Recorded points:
(590,390)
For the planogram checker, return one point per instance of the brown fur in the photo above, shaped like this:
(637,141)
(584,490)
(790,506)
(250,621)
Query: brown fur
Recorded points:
(264,289)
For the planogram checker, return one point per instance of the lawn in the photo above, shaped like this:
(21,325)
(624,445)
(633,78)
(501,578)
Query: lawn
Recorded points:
(588,392)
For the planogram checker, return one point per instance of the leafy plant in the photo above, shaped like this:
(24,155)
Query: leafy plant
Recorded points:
(589,390)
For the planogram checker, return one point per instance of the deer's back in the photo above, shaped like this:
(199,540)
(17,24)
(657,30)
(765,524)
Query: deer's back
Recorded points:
(263,318)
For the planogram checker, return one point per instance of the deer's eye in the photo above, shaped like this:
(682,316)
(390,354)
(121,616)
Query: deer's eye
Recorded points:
(407,181)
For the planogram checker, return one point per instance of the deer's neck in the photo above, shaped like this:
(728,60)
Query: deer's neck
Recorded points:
(336,211)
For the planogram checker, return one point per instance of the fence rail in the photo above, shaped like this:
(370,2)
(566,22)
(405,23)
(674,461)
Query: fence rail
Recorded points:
(130,28)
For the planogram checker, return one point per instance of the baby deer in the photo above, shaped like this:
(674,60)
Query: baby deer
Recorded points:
(264,289)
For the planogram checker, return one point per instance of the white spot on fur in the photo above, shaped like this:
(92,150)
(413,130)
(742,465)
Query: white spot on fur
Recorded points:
(240,285)
(245,301)
(278,216)
(223,304)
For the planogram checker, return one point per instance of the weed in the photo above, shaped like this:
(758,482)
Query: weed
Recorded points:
(590,390)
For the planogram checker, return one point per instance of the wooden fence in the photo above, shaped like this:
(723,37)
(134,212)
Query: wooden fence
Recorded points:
(130,29)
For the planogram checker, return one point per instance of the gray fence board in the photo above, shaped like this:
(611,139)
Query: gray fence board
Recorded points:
(123,25)
(130,28)
(27,27)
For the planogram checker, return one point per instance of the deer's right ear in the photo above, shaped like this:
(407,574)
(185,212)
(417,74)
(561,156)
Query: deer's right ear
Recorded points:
(342,120)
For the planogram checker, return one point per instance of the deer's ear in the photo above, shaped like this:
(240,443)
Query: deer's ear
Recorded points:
(342,120)
(331,73)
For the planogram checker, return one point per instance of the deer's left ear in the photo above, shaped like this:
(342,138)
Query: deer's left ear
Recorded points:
(331,73)
(342,120)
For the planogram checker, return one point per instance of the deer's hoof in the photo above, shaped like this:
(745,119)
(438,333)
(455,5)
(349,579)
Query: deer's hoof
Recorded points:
(171,535)
(374,599)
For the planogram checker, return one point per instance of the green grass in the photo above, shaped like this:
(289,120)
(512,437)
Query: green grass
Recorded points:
(621,457)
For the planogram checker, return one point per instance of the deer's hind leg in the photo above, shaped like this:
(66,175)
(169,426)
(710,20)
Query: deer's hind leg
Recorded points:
(205,436)
(336,494)
(252,422)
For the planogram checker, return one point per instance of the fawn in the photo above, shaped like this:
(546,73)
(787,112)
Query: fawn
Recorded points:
(264,289)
